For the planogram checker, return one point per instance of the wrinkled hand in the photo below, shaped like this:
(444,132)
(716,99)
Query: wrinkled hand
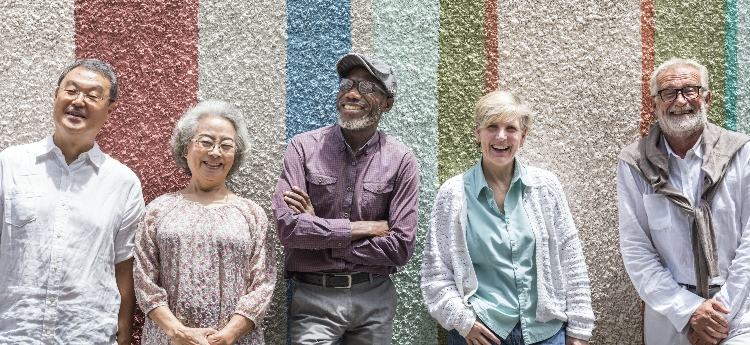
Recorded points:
(707,324)
(480,335)
(575,341)
(299,201)
(191,336)
(221,338)
(369,228)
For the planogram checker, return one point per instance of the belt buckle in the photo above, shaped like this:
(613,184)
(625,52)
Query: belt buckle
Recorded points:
(343,275)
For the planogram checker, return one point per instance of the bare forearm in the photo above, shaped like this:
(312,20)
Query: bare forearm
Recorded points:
(364,229)
(237,327)
(124,280)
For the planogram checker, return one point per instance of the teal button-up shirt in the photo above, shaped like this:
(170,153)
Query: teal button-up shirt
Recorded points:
(502,250)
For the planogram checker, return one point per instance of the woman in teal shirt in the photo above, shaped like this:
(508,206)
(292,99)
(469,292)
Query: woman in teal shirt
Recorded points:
(503,263)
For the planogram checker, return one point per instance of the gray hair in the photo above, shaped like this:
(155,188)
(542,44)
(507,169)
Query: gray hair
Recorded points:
(97,66)
(184,131)
(502,106)
(679,62)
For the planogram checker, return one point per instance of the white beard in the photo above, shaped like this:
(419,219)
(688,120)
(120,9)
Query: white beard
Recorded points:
(681,128)
(363,122)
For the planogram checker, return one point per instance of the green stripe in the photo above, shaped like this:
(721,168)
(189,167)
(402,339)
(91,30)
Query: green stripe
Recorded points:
(460,83)
(730,43)
(694,29)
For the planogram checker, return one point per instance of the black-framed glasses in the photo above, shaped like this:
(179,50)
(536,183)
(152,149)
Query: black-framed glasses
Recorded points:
(87,97)
(363,86)
(690,92)
(225,147)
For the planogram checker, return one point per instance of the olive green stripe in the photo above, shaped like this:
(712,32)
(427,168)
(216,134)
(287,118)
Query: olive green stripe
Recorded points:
(694,29)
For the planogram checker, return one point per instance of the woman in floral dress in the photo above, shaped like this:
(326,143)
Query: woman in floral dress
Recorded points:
(204,273)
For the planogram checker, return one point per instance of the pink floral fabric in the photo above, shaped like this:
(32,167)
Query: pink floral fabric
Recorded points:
(205,263)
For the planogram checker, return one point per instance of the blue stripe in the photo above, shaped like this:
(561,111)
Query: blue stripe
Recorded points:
(318,34)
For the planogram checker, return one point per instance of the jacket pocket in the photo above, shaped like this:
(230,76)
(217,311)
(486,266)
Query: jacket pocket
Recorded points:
(658,211)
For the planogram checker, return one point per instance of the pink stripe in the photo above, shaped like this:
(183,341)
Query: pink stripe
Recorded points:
(647,64)
(491,77)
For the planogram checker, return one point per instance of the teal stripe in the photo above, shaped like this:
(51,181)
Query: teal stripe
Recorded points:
(730,72)
(742,88)
(406,37)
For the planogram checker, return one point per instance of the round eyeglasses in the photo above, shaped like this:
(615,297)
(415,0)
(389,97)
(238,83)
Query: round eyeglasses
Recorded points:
(363,86)
(225,147)
(690,92)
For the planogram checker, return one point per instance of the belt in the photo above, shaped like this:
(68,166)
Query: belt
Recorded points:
(712,289)
(334,280)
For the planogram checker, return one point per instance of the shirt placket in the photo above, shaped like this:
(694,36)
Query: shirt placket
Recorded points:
(59,230)
(350,179)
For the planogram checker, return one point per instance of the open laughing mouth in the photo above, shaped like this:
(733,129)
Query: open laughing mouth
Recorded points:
(501,148)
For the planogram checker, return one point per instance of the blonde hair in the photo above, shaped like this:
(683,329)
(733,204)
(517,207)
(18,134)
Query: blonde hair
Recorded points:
(500,106)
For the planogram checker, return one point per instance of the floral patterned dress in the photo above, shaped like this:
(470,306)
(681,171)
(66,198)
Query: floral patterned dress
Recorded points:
(205,263)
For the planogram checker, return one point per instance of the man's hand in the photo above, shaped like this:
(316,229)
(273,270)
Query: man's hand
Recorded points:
(480,335)
(707,324)
(299,201)
(575,341)
(365,228)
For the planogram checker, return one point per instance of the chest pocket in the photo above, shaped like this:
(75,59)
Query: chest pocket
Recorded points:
(375,200)
(320,188)
(21,208)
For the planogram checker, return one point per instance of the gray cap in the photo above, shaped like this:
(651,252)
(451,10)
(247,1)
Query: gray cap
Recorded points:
(377,68)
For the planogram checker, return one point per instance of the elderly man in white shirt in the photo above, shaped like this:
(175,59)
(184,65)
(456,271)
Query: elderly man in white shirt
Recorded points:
(684,209)
(70,213)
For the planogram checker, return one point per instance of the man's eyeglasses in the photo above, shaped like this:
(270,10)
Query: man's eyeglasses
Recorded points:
(363,86)
(225,147)
(690,92)
(87,97)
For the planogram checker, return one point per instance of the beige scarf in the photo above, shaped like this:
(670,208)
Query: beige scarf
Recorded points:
(649,157)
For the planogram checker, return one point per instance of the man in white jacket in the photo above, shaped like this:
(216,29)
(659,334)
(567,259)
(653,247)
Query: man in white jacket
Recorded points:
(683,195)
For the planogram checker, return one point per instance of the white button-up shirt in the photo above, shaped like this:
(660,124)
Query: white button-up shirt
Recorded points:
(64,228)
(656,245)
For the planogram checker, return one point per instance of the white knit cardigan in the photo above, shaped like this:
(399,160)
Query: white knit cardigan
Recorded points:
(448,277)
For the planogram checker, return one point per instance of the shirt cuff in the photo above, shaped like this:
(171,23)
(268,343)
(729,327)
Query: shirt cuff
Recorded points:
(685,304)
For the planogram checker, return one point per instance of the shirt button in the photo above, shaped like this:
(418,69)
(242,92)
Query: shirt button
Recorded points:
(349,189)
(354,163)
(52,299)
(515,268)
(346,215)
(378,189)
(59,235)
(49,332)
(339,244)
(320,180)
(512,243)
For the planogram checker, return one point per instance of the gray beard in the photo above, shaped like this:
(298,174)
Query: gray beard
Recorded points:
(363,122)
(682,129)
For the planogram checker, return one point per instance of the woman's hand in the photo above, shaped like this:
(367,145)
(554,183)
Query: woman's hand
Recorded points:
(190,336)
(237,327)
(575,341)
(481,335)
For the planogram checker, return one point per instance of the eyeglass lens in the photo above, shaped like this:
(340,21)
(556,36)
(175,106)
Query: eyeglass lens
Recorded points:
(363,86)
(689,92)
(208,145)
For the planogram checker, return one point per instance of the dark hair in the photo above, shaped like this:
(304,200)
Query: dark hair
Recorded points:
(97,66)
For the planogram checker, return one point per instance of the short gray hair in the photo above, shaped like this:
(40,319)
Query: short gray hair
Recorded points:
(184,131)
(502,106)
(97,66)
(679,62)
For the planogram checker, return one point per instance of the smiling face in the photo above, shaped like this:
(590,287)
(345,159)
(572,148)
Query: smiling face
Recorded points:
(681,118)
(361,111)
(210,166)
(499,142)
(76,115)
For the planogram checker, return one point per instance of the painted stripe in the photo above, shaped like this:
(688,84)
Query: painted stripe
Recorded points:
(407,39)
(152,48)
(318,34)
(730,73)
(460,83)
(491,78)
(242,60)
(647,64)
(702,40)
(743,66)
(30,66)
(363,22)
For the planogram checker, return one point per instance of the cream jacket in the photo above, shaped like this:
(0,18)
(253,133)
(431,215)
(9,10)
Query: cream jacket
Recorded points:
(448,277)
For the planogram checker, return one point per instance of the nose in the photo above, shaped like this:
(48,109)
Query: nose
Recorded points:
(215,150)
(680,99)
(79,98)
(353,92)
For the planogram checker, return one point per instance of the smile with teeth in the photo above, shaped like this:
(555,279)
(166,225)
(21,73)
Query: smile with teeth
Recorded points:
(352,107)
(497,147)
(213,165)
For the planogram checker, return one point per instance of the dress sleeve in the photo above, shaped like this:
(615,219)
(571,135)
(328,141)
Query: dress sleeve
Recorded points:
(147,267)
(260,277)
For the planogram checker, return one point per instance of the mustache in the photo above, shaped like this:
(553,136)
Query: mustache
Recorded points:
(687,106)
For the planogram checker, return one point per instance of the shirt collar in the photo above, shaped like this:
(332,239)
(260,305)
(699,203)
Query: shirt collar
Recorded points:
(94,155)
(374,139)
(697,148)
(480,183)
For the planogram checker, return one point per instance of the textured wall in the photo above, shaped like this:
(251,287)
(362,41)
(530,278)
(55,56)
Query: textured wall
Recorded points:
(582,65)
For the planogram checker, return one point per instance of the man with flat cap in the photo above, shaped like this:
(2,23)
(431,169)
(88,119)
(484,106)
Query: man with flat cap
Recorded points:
(346,212)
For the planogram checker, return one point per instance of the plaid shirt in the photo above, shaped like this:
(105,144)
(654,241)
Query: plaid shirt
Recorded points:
(381,182)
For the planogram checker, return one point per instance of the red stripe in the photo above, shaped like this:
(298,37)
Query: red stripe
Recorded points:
(153,48)
(647,64)
(491,77)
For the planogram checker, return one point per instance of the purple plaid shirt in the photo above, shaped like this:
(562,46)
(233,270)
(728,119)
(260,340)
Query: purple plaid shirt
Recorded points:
(381,182)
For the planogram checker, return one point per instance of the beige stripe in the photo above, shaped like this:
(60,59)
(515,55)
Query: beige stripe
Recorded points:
(363,22)
(38,43)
